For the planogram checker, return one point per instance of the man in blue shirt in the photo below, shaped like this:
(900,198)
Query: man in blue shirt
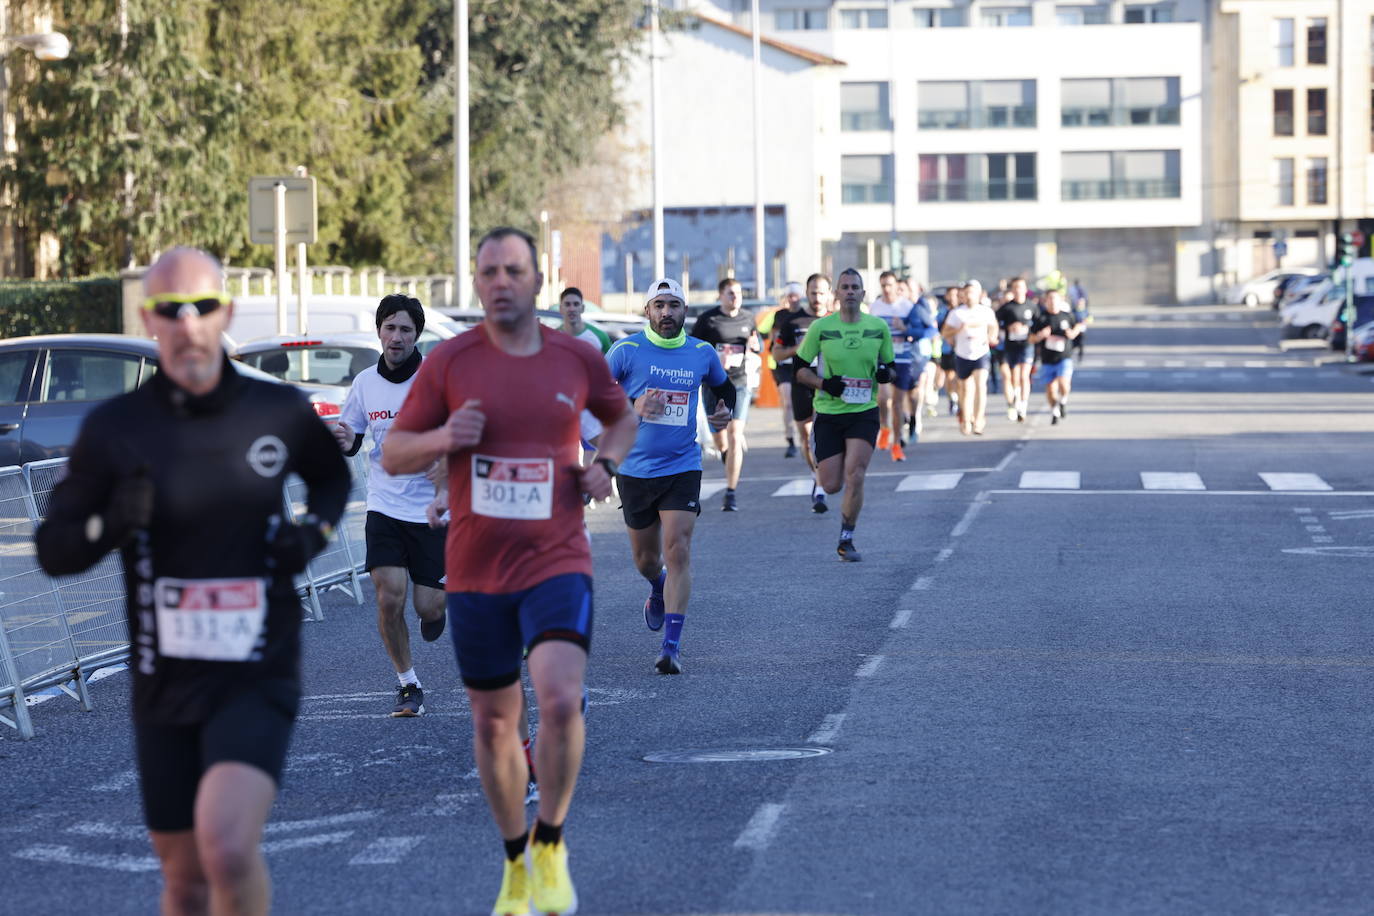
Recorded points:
(662,370)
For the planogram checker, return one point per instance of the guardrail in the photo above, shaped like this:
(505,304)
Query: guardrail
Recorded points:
(58,632)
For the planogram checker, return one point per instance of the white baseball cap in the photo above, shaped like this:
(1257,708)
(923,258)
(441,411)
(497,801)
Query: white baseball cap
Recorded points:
(667,285)
(794,288)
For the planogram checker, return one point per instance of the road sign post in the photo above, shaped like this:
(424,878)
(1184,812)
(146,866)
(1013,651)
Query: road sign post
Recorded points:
(282,211)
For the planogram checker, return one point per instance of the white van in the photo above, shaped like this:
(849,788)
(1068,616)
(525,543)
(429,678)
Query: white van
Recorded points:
(256,316)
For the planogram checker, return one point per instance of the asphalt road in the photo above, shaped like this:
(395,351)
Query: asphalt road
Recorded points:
(1117,665)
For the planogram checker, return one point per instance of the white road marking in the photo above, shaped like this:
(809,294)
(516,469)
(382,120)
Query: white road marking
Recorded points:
(969,515)
(1134,364)
(102,829)
(1308,511)
(830,727)
(801,487)
(902,618)
(64,855)
(301,842)
(1322,539)
(1174,364)
(119,782)
(1283,494)
(1214,364)
(1308,519)
(1315,529)
(929,482)
(1050,480)
(870,666)
(1255,364)
(386,850)
(1284,481)
(922,584)
(710,488)
(944,555)
(1171,480)
(1355,513)
(759,832)
(348,817)
(449,804)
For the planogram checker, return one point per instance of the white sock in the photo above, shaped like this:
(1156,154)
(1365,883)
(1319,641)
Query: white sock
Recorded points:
(408,677)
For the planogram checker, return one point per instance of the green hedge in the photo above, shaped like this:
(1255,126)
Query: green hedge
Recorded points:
(60,306)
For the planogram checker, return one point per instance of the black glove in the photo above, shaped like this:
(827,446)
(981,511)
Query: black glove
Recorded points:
(131,505)
(884,374)
(290,547)
(833,386)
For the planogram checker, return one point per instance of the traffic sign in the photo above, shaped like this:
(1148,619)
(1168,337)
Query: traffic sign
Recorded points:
(302,220)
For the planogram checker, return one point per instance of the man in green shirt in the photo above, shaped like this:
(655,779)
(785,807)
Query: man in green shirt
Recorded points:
(570,304)
(846,355)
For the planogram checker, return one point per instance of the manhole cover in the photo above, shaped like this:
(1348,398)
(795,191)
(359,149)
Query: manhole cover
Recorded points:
(745,755)
(1363,551)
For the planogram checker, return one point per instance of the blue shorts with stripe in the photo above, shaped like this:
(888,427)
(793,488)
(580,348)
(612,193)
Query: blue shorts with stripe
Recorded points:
(492,632)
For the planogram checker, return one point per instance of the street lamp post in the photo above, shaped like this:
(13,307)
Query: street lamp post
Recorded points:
(462,198)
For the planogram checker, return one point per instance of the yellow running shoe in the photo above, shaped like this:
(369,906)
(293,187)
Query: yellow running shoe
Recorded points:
(552,889)
(514,899)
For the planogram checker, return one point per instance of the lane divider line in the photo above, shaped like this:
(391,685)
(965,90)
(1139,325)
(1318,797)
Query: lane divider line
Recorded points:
(762,827)
(868,668)
(829,728)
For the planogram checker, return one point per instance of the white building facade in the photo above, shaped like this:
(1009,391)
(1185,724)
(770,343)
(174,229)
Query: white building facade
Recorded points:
(985,139)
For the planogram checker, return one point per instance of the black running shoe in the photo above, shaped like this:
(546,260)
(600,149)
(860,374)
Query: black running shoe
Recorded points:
(1063,409)
(847,551)
(728,504)
(818,505)
(791,451)
(433,629)
(409,703)
(669,659)
(910,427)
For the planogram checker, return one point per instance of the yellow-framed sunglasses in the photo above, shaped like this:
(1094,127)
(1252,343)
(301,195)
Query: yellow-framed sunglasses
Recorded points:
(174,305)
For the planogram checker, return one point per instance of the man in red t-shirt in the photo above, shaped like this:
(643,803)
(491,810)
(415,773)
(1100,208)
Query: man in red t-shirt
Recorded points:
(502,403)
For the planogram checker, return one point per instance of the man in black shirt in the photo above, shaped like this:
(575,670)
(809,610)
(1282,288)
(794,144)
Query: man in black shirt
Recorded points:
(1055,331)
(184,476)
(1016,318)
(730,329)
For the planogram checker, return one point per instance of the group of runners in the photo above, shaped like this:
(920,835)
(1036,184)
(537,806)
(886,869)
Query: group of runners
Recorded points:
(483,455)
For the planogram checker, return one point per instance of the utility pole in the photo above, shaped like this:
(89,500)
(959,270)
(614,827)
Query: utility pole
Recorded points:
(656,130)
(462,198)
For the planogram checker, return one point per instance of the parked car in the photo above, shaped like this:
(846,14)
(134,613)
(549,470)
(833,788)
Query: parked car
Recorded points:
(471,318)
(1364,342)
(325,365)
(1291,286)
(1262,288)
(255,317)
(1309,315)
(1364,314)
(49,383)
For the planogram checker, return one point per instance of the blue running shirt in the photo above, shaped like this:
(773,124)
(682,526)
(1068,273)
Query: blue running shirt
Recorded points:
(667,445)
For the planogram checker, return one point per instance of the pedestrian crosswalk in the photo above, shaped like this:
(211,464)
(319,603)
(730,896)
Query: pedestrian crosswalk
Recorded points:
(1160,481)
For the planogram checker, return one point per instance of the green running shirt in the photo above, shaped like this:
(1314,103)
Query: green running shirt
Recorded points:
(851,351)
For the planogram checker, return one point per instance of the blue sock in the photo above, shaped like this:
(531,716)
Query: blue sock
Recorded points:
(672,631)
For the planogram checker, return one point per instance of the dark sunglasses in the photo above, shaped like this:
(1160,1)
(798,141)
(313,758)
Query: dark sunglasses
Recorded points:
(174,305)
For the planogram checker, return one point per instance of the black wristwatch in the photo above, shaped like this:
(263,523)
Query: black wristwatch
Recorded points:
(611,467)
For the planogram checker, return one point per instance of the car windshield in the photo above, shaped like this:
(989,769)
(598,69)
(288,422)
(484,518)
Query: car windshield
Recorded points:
(322,365)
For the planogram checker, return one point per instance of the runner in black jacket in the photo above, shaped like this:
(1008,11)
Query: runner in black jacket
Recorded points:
(184,476)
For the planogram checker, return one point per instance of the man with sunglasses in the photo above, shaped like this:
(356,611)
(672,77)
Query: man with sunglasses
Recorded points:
(184,476)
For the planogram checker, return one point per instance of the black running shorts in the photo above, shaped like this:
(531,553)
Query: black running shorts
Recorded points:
(832,429)
(642,498)
(412,546)
(803,402)
(251,725)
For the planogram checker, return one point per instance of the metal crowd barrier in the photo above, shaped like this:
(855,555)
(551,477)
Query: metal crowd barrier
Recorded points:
(57,632)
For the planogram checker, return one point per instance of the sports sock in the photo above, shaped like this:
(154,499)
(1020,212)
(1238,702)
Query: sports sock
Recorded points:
(657,584)
(408,677)
(672,628)
(846,532)
(790,442)
(729,489)
(546,833)
(515,847)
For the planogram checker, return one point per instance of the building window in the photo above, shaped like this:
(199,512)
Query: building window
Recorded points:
(1083,15)
(1120,102)
(800,19)
(1316,112)
(864,106)
(1283,112)
(976,177)
(942,18)
(866,179)
(1132,174)
(868,18)
(1316,180)
(1004,16)
(1283,182)
(1316,41)
(1162,12)
(1283,42)
(986,103)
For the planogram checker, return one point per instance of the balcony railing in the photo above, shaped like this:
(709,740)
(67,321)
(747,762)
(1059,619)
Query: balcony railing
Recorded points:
(866,194)
(1119,117)
(1121,189)
(976,118)
(865,120)
(997,189)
